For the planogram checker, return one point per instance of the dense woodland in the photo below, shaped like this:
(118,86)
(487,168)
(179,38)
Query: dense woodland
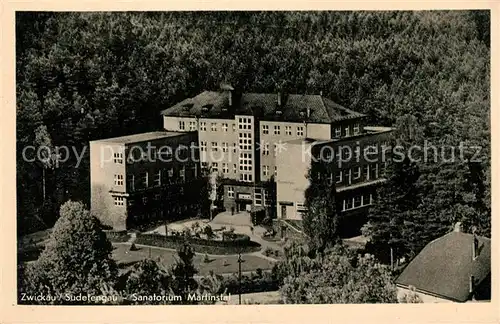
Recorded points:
(86,76)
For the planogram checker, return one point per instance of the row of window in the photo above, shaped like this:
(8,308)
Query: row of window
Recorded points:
(357,202)
(299,130)
(142,180)
(246,124)
(356,130)
(120,201)
(265,170)
(370,172)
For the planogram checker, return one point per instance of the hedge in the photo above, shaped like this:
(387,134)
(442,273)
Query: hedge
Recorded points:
(117,236)
(241,244)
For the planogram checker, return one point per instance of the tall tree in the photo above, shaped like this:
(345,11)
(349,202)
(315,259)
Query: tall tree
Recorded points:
(392,214)
(76,259)
(183,273)
(340,277)
(321,218)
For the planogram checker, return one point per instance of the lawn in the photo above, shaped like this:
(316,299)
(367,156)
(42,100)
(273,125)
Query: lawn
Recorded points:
(123,255)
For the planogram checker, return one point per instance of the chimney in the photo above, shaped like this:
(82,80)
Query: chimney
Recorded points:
(229,89)
(458,227)
(475,247)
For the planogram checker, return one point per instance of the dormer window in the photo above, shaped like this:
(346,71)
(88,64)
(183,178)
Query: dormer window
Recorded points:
(206,107)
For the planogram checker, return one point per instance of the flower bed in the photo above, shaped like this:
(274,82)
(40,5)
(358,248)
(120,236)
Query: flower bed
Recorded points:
(239,244)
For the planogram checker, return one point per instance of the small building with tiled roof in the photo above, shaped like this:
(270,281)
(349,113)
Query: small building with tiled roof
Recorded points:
(453,268)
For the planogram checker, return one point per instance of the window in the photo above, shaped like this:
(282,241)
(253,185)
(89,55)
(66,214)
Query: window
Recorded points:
(375,169)
(275,171)
(158,178)
(356,129)
(276,130)
(347,175)
(245,140)
(348,203)
(118,179)
(338,132)
(224,147)
(288,130)
(338,177)
(118,158)
(192,126)
(357,172)
(203,126)
(224,127)
(182,174)
(357,201)
(119,201)
(144,200)
(265,129)
(145,179)
(246,177)
(330,179)
(230,192)
(275,149)
(300,130)
(257,197)
(347,131)
(131,182)
(225,169)
(234,127)
(170,172)
(182,125)
(213,127)
(366,172)
(367,199)
(265,170)
(244,123)
(203,146)
(215,147)
(234,147)
(215,167)
(234,168)
(265,151)
(245,162)
(300,208)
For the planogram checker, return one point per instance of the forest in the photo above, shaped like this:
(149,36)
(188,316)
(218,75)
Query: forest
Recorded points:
(87,76)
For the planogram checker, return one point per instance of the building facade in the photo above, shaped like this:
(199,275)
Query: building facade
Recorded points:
(141,178)
(253,139)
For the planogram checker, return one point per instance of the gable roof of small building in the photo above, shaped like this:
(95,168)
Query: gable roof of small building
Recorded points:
(444,266)
(213,104)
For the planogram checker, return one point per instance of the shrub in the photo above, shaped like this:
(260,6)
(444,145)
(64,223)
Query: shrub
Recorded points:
(206,259)
(268,251)
(266,282)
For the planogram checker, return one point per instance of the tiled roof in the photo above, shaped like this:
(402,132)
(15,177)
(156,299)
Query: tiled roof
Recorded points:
(443,268)
(142,137)
(293,108)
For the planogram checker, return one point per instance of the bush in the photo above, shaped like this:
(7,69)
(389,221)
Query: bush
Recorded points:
(251,284)
(241,243)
